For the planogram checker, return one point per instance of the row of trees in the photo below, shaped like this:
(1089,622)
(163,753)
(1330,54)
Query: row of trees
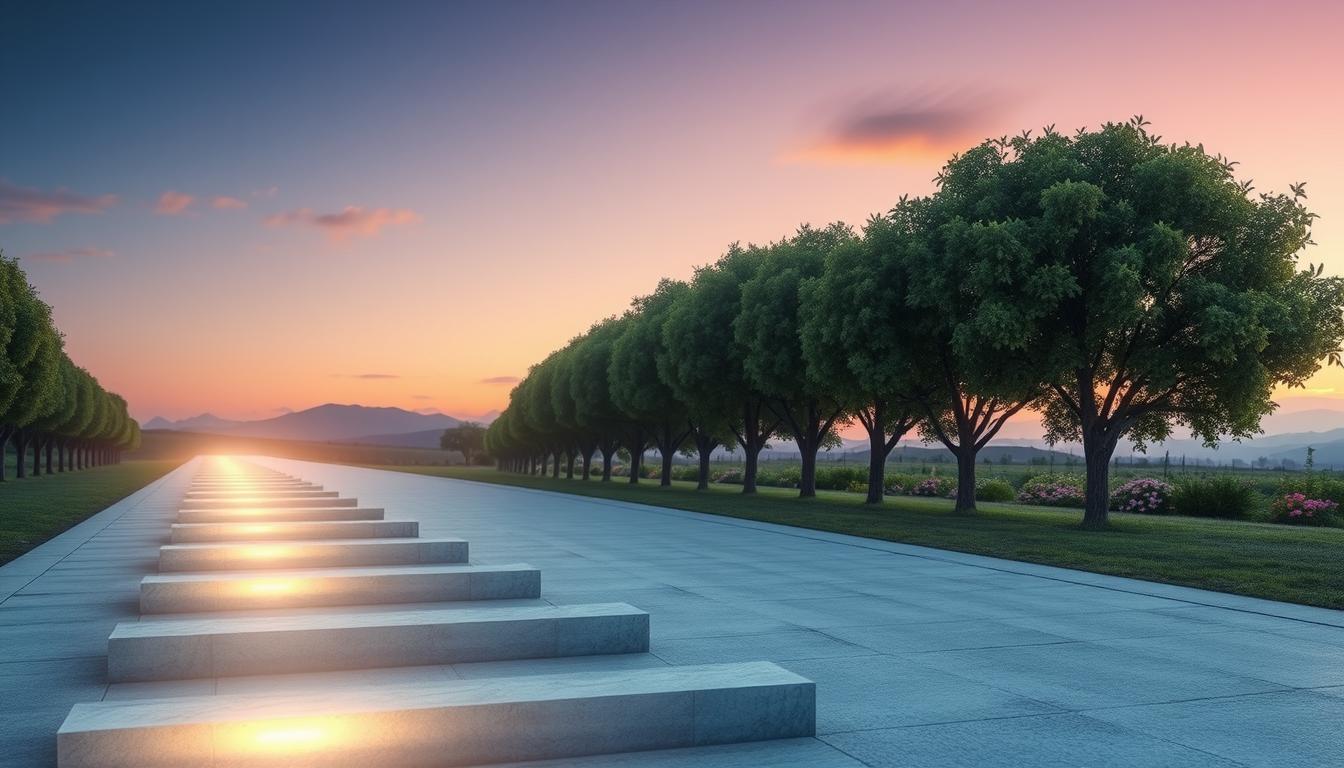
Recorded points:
(50,407)
(1116,284)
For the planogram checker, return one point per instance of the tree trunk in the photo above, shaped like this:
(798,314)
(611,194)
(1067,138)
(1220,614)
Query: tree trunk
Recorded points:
(877,462)
(51,443)
(750,469)
(636,456)
(5,432)
(965,481)
(704,449)
(569,464)
(555,466)
(20,454)
(587,459)
(807,482)
(1097,450)
(608,451)
(666,478)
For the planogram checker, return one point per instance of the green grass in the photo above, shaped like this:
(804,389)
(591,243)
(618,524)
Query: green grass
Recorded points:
(37,508)
(1300,565)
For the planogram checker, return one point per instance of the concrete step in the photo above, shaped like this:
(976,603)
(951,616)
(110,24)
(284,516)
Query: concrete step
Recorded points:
(447,722)
(187,533)
(265,502)
(309,554)
(190,593)
(275,515)
(180,649)
(262,493)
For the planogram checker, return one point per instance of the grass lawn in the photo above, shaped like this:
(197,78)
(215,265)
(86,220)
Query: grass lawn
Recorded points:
(1300,565)
(35,509)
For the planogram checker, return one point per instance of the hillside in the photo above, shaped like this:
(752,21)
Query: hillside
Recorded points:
(322,423)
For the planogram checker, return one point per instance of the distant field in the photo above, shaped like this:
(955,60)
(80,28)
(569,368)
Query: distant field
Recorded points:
(1301,565)
(37,508)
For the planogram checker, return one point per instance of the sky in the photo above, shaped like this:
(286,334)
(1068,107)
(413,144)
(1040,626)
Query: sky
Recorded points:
(248,207)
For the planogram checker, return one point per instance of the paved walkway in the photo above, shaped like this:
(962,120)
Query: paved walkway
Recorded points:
(921,657)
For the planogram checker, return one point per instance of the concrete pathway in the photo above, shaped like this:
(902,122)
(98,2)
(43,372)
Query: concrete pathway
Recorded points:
(921,657)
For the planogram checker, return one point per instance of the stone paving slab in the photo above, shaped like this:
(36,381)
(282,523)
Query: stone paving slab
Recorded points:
(939,659)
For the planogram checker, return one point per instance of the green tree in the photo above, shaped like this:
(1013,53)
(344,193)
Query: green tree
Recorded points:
(64,407)
(467,437)
(590,389)
(768,328)
(703,363)
(968,390)
(636,386)
(33,355)
(857,335)
(1147,285)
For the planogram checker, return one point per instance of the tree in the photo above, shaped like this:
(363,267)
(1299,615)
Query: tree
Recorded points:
(1146,285)
(32,368)
(590,389)
(64,407)
(636,386)
(467,437)
(967,390)
(857,339)
(768,328)
(703,362)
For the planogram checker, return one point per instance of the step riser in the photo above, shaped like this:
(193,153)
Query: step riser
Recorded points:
(267,531)
(270,515)
(166,596)
(431,732)
(143,659)
(263,502)
(255,493)
(309,555)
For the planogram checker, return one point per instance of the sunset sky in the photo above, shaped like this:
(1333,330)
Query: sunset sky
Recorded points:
(243,207)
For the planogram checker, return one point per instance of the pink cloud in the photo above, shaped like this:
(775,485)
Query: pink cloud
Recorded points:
(351,221)
(173,203)
(501,380)
(71,254)
(228,203)
(30,204)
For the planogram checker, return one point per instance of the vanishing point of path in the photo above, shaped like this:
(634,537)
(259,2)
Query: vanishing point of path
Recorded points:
(921,657)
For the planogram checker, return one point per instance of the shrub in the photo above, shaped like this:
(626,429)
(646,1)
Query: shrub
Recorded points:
(901,484)
(685,472)
(1213,497)
(1297,509)
(651,469)
(840,478)
(933,486)
(620,470)
(729,476)
(1052,491)
(858,488)
(1144,495)
(993,489)
(789,477)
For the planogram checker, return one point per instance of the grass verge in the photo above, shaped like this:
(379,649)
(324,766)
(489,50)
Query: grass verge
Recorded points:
(1300,565)
(37,508)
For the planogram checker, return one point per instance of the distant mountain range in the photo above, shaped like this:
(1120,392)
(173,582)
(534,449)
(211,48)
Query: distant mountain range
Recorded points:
(325,423)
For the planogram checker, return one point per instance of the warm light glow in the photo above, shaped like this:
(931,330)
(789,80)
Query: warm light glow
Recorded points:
(285,737)
(268,552)
(272,587)
(255,529)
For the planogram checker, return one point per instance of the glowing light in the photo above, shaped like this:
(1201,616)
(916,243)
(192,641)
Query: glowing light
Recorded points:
(285,737)
(269,587)
(268,552)
(255,529)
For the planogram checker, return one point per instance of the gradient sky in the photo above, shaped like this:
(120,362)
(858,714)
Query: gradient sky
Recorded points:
(247,206)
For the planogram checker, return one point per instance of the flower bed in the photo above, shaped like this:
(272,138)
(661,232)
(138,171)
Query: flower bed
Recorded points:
(1143,495)
(1297,509)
